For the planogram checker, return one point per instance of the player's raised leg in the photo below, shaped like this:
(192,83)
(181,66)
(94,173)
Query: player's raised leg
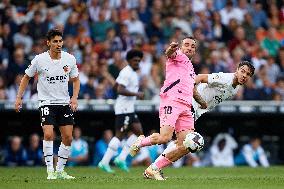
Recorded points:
(47,145)
(165,135)
(64,151)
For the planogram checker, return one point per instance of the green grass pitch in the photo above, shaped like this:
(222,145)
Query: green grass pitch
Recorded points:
(186,177)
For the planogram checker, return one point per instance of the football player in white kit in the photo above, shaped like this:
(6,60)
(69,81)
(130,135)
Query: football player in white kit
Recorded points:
(54,69)
(127,85)
(213,88)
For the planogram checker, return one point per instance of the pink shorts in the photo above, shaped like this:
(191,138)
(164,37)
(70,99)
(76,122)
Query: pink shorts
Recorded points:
(176,114)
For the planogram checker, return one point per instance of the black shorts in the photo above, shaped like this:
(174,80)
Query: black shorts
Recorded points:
(124,121)
(57,115)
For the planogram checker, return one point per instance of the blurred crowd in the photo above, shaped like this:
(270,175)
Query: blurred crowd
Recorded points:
(100,32)
(223,151)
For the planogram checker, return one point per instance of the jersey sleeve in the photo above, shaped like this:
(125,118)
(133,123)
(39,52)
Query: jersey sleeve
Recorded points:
(123,78)
(216,78)
(74,69)
(32,68)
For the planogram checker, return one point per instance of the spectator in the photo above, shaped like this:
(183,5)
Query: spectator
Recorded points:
(72,25)
(273,70)
(4,57)
(280,86)
(143,11)
(215,63)
(37,29)
(88,90)
(168,27)
(15,154)
(230,12)
(12,90)
(259,16)
(154,29)
(146,89)
(221,151)
(134,25)
(17,65)
(180,21)
(219,30)
(270,43)
(250,91)
(79,154)
(34,151)
(252,154)
(23,39)
(249,28)
(99,28)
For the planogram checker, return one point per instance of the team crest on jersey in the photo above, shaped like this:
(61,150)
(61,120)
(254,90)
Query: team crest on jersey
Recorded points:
(65,68)
(216,77)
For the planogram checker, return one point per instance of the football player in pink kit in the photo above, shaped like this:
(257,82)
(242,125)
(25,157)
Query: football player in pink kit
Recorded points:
(175,105)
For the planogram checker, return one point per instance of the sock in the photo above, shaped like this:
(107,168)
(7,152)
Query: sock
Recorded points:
(111,150)
(161,163)
(171,146)
(63,154)
(125,151)
(146,142)
(47,148)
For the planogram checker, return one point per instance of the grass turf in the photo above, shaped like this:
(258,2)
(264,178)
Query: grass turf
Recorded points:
(186,177)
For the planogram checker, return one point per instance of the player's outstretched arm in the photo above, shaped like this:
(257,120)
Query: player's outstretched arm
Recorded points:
(123,91)
(76,89)
(197,97)
(171,50)
(201,78)
(23,85)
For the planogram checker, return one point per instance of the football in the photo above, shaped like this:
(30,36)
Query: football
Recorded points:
(194,142)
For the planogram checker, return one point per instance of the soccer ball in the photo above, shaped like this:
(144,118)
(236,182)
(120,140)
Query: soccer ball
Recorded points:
(194,142)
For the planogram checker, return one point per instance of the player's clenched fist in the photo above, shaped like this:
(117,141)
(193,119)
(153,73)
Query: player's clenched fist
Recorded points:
(174,46)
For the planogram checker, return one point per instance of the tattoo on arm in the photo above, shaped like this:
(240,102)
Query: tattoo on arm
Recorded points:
(197,97)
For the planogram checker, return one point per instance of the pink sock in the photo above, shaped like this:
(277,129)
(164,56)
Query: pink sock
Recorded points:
(162,162)
(146,142)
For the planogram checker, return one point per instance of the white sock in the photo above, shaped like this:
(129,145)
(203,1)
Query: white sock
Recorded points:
(111,150)
(63,154)
(47,148)
(126,148)
(171,146)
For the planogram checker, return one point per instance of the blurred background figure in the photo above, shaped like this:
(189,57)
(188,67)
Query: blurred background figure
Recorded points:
(34,151)
(222,150)
(79,149)
(15,154)
(252,154)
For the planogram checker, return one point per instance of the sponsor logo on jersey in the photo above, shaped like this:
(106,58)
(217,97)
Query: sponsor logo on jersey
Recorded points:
(60,78)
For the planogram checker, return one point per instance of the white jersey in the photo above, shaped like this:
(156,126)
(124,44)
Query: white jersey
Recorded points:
(53,77)
(218,89)
(129,79)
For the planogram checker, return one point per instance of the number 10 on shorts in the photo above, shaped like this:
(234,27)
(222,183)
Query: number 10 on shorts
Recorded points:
(168,109)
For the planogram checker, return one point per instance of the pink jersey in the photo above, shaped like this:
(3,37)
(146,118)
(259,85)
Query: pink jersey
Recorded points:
(180,76)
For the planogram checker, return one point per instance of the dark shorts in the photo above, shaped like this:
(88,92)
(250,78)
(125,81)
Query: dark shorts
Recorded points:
(57,115)
(124,121)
